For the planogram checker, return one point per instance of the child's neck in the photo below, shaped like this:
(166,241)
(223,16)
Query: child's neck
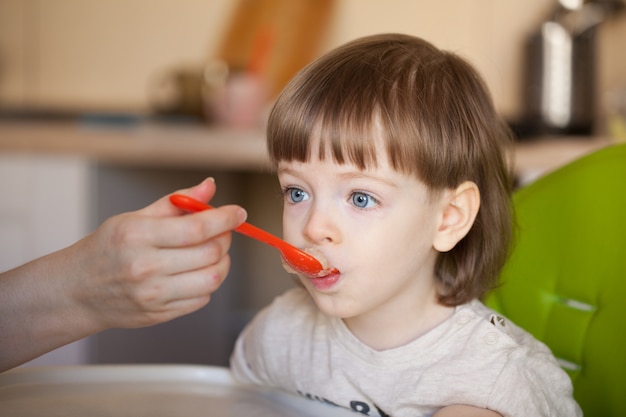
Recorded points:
(383,330)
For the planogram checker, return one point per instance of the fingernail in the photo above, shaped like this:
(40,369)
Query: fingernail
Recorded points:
(242,214)
(211,179)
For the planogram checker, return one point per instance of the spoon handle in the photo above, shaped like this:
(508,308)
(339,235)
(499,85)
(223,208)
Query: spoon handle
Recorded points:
(191,204)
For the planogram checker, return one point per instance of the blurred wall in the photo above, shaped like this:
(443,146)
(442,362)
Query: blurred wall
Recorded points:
(104,54)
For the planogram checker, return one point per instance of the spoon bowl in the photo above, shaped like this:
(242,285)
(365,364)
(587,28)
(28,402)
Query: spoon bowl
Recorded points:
(297,259)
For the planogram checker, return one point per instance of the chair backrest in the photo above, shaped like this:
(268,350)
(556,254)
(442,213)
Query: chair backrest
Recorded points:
(565,281)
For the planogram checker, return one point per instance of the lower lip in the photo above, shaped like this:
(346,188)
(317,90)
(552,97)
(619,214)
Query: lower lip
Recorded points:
(324,283)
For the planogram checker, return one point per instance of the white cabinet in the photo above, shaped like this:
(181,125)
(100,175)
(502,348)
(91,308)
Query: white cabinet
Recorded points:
(43,208)
(43,205)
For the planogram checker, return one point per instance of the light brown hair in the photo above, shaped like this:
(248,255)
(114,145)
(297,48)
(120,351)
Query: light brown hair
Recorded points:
(438,123)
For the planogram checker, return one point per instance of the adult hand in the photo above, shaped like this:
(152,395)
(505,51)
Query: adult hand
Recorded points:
(137,269)
(153,265)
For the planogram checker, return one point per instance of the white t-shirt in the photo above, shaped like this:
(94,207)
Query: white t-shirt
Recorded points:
(475,358)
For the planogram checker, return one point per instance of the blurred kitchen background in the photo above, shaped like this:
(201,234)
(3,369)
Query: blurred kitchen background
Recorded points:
(107,105)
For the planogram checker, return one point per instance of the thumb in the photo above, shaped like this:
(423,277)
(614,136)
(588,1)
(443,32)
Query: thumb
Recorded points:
(162,207)
(203,191)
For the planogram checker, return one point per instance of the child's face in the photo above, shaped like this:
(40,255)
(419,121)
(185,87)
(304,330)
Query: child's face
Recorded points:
(376,227)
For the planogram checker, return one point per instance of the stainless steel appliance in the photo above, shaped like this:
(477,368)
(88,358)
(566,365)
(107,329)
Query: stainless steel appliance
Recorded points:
(560,78)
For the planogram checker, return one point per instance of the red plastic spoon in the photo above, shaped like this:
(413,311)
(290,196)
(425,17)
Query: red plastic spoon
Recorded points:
(296,258)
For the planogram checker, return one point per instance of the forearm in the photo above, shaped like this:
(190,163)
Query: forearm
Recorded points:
(38,312)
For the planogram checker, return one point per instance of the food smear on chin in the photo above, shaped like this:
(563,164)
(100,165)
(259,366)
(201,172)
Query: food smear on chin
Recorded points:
(326,268)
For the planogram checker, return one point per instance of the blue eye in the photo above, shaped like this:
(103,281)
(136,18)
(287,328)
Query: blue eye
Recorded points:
(296,195)
(363,200)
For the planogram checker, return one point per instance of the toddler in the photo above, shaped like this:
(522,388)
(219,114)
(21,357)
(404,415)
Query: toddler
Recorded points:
(391,159)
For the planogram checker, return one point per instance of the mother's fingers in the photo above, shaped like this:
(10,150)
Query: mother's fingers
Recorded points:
(177,260)
(173,310)
(167,297)
(192,229)
(199,283)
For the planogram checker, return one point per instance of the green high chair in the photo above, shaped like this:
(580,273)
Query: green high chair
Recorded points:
(565,281)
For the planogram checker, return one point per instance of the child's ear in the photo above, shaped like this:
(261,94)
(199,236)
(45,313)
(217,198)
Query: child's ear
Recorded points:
(460,207)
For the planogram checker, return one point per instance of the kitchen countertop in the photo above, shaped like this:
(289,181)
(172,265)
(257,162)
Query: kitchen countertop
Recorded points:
(142,144)
(537,157)
(197,146)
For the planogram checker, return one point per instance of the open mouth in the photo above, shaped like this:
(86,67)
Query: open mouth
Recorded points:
(326,271)
(327,268)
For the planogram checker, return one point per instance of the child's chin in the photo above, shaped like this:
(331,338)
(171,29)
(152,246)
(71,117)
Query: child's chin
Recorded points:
(330,305)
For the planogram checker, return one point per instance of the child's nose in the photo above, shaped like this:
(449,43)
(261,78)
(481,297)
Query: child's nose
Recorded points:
(321,226)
